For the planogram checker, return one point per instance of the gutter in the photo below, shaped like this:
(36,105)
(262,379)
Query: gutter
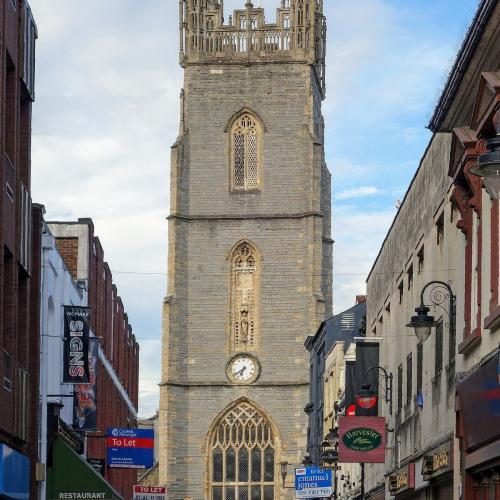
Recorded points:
(465,54)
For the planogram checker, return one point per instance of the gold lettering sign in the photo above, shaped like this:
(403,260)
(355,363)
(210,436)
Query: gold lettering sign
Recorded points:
(440,460)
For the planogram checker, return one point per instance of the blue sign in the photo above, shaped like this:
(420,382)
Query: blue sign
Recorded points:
(313,482)
(130,448)
(14,474)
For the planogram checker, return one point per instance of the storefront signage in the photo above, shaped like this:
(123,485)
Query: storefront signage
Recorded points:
(313,482)
(437,462)
(85,400)
(14,474)
(362,440)
(149,493)
(98,464)
(403,479)
(76,345)
(130,448)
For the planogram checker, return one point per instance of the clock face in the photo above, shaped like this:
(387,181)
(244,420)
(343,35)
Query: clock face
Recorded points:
(243,369)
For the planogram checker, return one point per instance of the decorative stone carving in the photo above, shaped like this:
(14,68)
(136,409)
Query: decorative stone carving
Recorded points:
(244,292)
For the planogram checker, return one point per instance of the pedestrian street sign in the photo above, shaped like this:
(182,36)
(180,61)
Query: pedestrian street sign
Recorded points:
(313,482)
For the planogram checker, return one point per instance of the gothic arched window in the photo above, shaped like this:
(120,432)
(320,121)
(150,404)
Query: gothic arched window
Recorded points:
(242,456)
(244,297)
(246,138)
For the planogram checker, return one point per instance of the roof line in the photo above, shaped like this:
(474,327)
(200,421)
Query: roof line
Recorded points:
(465,54)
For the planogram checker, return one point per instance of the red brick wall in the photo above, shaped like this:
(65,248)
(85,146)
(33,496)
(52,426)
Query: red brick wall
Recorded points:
(19,292)
(68,248)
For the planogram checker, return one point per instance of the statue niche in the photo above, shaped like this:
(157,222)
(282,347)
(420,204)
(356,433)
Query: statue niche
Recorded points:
(244,302)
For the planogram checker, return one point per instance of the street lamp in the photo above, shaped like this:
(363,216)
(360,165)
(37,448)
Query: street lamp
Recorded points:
(284,471)
(422,323)
(367,398)
(488,165)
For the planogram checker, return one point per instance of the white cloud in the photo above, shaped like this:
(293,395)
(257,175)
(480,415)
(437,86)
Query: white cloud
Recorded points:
(358,192)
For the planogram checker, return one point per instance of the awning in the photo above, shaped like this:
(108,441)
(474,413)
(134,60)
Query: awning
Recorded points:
(14,474)
(70,476)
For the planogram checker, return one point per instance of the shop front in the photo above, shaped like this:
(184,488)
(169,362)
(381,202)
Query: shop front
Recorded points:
(430,477)
(478,428)
(70,476)
(14,474)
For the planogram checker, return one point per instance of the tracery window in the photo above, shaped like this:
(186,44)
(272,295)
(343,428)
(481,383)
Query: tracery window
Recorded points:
(244,297)
(242,456)
(246,139)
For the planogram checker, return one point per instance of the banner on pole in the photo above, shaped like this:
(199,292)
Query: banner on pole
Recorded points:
(76,345)
(85,400)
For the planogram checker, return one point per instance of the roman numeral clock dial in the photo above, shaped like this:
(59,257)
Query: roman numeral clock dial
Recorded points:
(243,369)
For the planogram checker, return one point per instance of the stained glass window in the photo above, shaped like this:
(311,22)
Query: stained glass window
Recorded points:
(242,456)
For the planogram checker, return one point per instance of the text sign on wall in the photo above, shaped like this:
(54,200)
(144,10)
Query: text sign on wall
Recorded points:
(313,482)
(150,493)
(403,479)
(362,440)
(130,448)
(76,345)
(437,461)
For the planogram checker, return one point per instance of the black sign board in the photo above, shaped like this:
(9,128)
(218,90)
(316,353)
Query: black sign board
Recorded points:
(76,345)
(99,464)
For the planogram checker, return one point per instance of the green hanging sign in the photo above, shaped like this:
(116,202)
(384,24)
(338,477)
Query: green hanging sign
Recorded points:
(362,439)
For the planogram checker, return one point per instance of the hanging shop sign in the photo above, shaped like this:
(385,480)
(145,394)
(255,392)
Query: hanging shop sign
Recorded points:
(85,400)
(149,493)
(313,482)
(437,462)
(76,345)
(362,440)
(130,448)
(403,479)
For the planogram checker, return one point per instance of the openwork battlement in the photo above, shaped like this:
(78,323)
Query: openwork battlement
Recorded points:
(299,33)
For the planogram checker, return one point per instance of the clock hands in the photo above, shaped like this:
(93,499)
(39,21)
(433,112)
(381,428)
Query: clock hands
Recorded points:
(240,373)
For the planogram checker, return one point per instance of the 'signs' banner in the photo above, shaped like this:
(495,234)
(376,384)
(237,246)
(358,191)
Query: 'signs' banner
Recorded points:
(76,345)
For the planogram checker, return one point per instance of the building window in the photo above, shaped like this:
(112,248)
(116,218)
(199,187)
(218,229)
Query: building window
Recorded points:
(242,456)
(440,230)
(401,292)
(244,297)
(22,404)
(246,138)
(421,259)
(409,378)
(400,388)
(410,277)
(420,364)
(438,362)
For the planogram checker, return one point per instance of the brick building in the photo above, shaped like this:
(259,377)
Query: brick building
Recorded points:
(18,266)
(118,354)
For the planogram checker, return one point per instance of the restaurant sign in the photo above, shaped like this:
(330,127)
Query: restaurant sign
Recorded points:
(403,479)
(362,440)
(437,461)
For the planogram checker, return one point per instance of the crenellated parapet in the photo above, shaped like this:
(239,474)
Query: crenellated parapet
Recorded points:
(298,35)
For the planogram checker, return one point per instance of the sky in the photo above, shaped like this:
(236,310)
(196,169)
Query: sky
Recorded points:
(107,112)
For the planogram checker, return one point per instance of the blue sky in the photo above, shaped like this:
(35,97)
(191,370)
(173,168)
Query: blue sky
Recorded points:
(107,112)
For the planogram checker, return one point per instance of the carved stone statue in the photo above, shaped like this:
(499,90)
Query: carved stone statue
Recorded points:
(244,325)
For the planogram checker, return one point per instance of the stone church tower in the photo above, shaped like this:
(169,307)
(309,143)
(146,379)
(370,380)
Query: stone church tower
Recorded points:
(250,253)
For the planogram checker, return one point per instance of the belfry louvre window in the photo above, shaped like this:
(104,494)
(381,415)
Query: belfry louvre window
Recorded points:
(246,148)
(242,457)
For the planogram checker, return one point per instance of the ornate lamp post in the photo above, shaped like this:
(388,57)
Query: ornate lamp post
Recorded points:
(422,323)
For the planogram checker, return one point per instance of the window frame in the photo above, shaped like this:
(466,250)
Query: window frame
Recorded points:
(259,133)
